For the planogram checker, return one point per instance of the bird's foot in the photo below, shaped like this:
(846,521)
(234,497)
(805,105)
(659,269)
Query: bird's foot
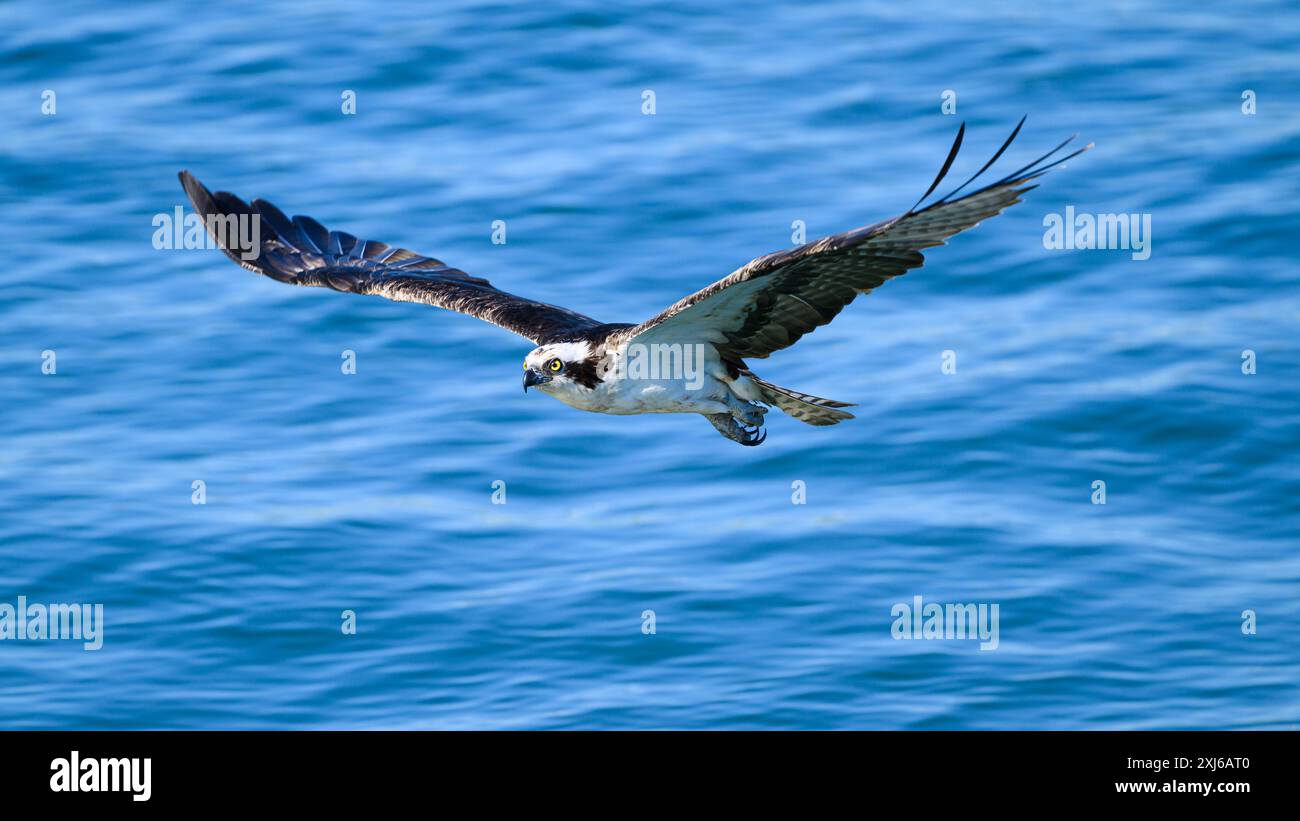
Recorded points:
(727,425)
(750,415)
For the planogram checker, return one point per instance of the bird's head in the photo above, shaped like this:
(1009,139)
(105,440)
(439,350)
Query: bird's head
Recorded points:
(559,368)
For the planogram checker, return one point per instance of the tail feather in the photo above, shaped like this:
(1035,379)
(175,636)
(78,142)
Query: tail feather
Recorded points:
(809,409)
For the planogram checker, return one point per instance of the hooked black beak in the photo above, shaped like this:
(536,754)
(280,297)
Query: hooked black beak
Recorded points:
(535,377)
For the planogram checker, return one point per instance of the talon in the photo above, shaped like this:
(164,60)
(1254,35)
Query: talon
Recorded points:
(729,427)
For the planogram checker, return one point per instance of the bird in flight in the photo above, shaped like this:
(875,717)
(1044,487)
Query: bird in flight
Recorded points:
(690,358)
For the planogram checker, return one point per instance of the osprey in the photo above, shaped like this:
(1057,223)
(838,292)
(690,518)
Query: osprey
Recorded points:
(624,368)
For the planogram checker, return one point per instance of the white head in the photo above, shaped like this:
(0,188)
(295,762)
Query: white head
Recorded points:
(561,369)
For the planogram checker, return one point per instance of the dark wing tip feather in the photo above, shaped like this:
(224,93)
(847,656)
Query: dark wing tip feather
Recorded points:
(1006,144)
(947,164)
(195,190)
(1035,173)
(1031,171)
(220,204)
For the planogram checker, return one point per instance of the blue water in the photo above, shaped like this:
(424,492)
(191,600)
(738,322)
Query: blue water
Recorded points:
(373,492)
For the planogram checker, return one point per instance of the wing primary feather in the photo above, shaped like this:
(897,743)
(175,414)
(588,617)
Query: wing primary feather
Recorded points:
(1029,172)
(1038,172)
(316,234)
(947,164)
(1023,172)
(988,164)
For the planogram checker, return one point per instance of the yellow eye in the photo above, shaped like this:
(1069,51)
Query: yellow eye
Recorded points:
(554,365)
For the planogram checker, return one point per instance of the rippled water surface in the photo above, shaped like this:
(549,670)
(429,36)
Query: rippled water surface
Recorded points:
(373,492)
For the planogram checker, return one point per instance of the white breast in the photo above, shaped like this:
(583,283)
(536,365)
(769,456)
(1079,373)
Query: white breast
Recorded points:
(638,380)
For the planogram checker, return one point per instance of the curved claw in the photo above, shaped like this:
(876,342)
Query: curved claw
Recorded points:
(736,432)
(755,437)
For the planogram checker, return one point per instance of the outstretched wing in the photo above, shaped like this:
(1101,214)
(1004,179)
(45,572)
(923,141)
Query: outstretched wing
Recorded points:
(301,251)
(776,299)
